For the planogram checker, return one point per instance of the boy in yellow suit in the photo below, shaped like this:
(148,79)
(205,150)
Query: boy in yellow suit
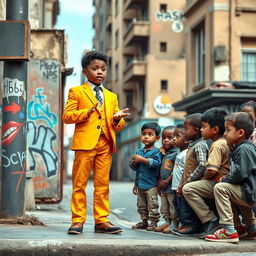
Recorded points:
(95,113)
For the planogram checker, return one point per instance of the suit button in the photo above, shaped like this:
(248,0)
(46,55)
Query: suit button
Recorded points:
(99,117)
(98,127)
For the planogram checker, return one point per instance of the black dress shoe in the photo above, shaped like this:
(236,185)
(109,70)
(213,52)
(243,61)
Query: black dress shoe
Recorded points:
(209,227)
(76,228)
(107,227)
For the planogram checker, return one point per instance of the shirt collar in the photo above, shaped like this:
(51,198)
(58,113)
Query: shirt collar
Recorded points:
(193,142)
(93,86)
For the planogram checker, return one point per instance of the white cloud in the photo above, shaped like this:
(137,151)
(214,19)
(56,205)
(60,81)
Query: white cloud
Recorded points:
(77,7)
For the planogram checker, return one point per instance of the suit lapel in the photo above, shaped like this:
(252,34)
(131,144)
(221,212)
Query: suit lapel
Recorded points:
(106,102)
(89,93)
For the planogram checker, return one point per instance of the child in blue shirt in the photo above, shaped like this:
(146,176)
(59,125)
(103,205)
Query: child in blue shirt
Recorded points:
(146,163)
(169,153)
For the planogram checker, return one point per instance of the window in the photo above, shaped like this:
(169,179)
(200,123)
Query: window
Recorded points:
(164,85)
(116,6)
(248,66)
(248,61)
(116,38)
(163,7)
(129,99)
(163,47)
(200,53)
(116,71)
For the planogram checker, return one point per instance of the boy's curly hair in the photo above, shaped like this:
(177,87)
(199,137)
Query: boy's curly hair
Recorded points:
(93,55)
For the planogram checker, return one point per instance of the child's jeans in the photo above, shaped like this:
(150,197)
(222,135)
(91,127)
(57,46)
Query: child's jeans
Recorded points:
(188,216)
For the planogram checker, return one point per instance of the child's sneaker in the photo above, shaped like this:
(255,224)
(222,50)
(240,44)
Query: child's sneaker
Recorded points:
(221,235)
(141,225)
(169,229)
(152,225)
(250,236)
(162,227)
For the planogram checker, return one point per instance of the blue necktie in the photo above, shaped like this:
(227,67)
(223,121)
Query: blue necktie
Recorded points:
(97,94)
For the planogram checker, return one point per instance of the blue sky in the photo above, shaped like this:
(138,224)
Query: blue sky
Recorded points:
(76,18)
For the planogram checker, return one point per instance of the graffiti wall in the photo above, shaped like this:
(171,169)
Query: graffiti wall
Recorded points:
(44,127)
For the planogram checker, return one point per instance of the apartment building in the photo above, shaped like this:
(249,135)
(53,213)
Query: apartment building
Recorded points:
(145,43)
(220,54)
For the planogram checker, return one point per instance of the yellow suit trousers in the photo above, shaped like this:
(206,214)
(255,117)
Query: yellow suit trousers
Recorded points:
(99,160)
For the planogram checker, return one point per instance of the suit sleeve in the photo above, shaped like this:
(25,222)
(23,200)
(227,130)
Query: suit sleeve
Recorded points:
(117,126)
(71,115)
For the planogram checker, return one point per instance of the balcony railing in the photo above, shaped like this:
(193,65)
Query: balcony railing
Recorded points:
(136,30)
(135,70)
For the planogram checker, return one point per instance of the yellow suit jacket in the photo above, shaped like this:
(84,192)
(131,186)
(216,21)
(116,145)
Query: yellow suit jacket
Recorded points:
(87,132)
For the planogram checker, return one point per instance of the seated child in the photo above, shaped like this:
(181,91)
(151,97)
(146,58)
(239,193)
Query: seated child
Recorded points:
(239,186)
(165,183)
(250,108)
(146,162)
(217,166)
(194,169)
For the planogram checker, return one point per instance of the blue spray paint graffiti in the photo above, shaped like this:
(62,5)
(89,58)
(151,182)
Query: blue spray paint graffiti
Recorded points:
(39,110)
(41,140)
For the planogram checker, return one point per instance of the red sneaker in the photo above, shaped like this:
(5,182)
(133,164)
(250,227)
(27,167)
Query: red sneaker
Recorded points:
(222,236)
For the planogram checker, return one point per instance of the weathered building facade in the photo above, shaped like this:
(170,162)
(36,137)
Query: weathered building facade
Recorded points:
(220,54)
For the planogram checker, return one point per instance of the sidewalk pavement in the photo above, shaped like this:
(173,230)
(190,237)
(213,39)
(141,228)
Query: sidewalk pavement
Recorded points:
(53,239)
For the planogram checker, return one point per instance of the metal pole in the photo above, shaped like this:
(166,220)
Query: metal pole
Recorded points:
(13,151)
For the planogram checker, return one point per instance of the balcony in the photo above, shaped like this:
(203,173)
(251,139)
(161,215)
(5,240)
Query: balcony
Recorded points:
(136,31)
(136,70)
(130,14)
(109,22)
(133,4)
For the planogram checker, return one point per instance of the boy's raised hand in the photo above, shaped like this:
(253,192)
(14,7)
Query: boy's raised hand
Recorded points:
(122,113)
(91,110)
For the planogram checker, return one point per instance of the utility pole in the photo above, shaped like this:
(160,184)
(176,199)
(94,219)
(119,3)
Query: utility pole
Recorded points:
(14,92)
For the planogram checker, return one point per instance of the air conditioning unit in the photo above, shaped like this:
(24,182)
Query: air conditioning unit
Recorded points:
(220,53)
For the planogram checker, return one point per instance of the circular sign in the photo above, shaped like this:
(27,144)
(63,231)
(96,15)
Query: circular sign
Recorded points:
(162,104)
(177,26)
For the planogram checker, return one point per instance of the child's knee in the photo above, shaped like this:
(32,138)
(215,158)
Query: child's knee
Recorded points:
(186,189)
(219,188)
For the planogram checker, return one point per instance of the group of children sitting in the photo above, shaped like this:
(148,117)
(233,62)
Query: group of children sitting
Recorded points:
(207,177)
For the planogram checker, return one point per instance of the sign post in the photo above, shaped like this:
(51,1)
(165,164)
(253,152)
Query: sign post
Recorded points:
(15,52)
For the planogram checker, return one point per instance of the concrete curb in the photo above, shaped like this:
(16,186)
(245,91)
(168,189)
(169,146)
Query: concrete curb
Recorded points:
(112,247)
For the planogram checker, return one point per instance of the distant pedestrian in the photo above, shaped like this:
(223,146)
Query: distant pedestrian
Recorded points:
(169,153)
(250,108)
(181,143)
(217,166)
(146,162)
(95,113)
(195,166)
(239,187)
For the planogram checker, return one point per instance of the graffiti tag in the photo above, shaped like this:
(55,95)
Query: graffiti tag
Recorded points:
(12,87)
(37,109)
(40,141)
(49,69)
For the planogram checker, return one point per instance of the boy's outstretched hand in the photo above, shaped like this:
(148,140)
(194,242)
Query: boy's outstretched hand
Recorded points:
(122,113)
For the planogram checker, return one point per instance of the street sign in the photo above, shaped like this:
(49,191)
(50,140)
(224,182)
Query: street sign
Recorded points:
(14,40)
(174,16)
